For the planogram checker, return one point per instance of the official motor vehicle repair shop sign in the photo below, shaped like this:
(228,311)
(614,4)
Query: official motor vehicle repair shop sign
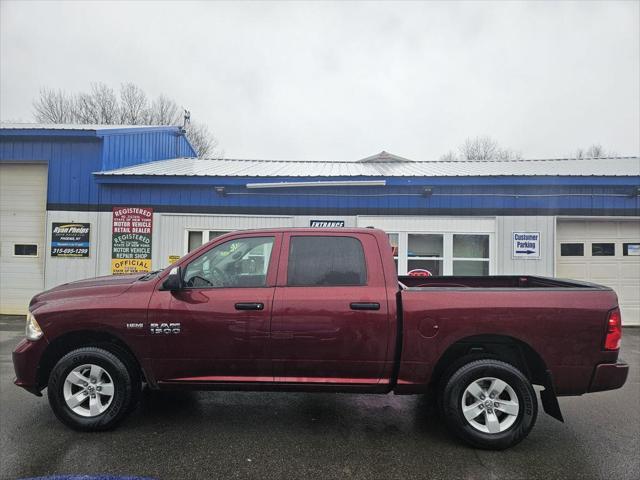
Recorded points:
(131,240)
(70,239)
(526,245)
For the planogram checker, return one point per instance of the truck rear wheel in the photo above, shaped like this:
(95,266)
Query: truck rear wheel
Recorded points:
(489,404)
(90,389)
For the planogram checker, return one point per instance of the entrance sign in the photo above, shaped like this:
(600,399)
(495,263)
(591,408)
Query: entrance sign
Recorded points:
(526,245)
(131,240)
(70,239)
(326,223)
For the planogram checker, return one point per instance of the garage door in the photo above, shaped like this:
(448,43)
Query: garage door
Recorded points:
(22,219)
(604,252)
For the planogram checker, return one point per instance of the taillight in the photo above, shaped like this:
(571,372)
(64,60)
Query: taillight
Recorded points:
(614,331)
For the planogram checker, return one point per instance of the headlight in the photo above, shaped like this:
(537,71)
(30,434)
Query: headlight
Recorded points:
(33,331)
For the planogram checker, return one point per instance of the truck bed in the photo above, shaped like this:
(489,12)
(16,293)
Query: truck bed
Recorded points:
(497,282)
(541,313)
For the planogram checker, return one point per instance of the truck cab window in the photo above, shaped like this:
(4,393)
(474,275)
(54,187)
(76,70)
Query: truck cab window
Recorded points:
(326,261)
(242,262)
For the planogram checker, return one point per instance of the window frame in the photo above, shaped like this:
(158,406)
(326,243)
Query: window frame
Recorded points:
(582,244)
(625,249)
(205,234)
(423,258)
(13,250)
(485,260)
(447,254)
(396,257)
(593,244)
(272,268)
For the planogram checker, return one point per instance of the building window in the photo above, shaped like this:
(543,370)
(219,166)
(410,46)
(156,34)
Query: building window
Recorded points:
(572,249)
(196,238)
(631,249)
(603,249)
(425,254)
(326,261)
(470,255)
(394,240)
(442,253)
(25,250)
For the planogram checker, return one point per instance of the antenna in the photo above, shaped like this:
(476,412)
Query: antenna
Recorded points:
(187,119)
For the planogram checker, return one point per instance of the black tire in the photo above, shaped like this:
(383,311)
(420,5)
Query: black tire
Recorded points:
(124,393)
(452,398)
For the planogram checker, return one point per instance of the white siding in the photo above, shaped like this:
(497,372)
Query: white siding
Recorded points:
(62,270)
(507,265)
(168,239)
(23,197)
(302,221)
(169,230)
(429,224)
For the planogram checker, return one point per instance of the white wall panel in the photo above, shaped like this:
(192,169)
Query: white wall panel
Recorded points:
(62,270)
(169,230)
(507,265)
(429,224)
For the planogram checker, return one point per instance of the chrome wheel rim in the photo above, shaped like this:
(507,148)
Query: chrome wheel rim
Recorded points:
(490,405)
(88,390)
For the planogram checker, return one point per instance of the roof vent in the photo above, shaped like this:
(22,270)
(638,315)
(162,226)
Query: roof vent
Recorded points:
(384,157)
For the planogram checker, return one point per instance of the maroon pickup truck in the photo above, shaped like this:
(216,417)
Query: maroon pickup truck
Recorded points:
(322,311)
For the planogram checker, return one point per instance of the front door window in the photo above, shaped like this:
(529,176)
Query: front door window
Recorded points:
(237,263)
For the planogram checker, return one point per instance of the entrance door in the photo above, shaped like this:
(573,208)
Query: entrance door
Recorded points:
(23,199)
(330,317)
(605,252)
(217,326)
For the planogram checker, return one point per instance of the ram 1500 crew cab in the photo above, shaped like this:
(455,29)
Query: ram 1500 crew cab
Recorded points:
(322,311)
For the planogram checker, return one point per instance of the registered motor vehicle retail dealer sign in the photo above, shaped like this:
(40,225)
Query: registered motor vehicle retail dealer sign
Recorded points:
(131,240)
(526,245)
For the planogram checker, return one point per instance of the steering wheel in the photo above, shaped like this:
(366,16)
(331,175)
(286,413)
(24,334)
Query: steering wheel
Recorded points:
(218,278)
(199,279)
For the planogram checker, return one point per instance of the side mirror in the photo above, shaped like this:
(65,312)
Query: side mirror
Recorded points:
(174,281)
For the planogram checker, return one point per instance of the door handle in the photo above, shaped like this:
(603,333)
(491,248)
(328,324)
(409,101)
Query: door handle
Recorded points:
(249,306)
(365,306)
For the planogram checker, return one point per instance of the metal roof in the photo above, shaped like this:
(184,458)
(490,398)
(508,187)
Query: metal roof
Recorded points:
(8,129)
(195,167)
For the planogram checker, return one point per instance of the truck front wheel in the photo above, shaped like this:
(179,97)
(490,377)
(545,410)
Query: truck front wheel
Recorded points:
(90,389)
(489,404)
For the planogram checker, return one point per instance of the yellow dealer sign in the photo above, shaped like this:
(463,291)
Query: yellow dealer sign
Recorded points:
(129,265)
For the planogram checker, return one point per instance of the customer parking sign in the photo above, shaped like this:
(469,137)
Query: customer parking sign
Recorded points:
(526,245)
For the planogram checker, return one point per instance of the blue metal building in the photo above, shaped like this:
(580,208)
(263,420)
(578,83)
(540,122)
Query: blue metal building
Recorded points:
(444,217)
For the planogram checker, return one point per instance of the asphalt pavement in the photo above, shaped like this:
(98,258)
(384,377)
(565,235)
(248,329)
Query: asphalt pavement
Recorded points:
(313,436)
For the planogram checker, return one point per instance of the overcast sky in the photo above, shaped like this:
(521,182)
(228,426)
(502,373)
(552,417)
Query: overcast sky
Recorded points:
(342,81)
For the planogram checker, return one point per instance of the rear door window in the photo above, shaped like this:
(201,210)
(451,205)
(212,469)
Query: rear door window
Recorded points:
(326,261)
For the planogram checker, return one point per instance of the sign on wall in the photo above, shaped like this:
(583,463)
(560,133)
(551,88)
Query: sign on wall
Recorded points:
(326,223)
(70,239)
(526,245)
(131,240)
